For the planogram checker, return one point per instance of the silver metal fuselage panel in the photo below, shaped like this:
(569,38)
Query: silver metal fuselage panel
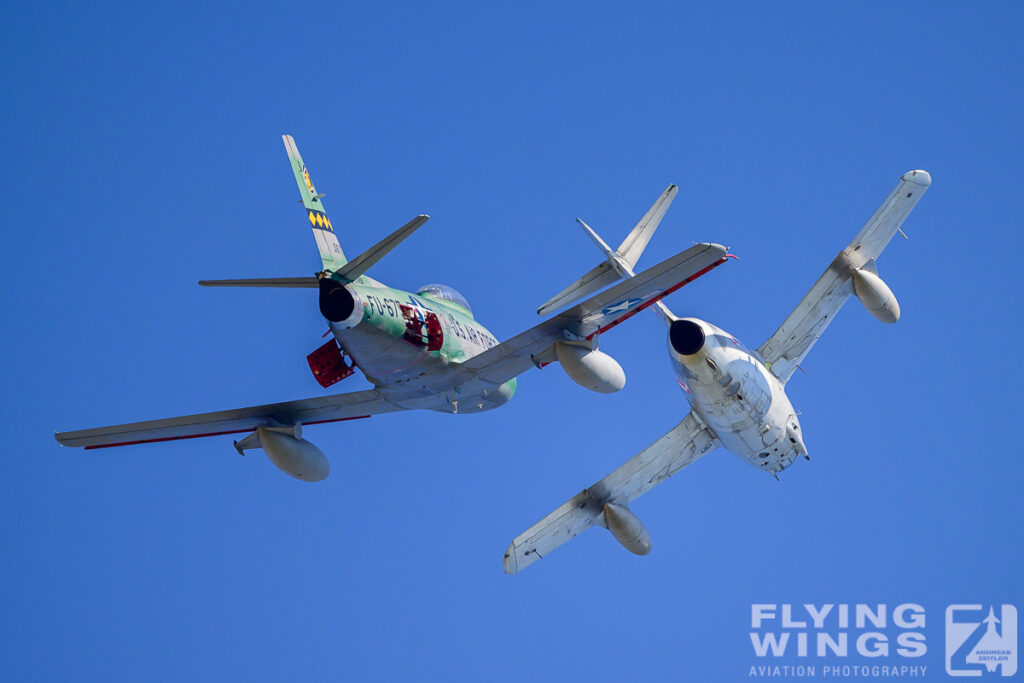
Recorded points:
(740,400)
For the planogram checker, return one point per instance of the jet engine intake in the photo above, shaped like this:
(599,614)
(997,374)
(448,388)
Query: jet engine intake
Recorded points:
(627,529)
(289,452)
(686,337)
(876,296)
(339,305)
(590,368)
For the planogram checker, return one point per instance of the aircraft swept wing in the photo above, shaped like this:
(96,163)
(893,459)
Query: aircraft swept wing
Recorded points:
(585,321)
(306,411)
(788,346)
(497,365)
(687,442)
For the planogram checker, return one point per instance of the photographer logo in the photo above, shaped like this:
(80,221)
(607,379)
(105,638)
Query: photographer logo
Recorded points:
(981,640)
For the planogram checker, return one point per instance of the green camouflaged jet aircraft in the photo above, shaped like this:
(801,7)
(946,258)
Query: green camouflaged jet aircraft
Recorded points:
(422,350)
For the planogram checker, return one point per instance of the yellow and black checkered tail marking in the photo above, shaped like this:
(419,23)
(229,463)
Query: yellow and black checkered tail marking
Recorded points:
(319,220)
(323,231)
(326,241)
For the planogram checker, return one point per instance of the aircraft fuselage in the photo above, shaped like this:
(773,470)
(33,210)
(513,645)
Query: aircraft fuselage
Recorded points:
(735,395)
(404,343)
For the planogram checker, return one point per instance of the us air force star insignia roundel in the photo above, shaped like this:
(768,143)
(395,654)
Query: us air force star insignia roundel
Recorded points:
(620,306)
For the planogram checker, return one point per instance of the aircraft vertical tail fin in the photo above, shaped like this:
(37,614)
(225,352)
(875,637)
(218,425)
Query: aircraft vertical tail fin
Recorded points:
(331,253)
(618,263)
(335,264)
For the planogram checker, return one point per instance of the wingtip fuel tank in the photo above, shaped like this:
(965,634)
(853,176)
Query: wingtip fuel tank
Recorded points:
(919,177)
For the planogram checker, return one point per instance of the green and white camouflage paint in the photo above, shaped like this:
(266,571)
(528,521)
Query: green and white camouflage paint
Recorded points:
(395,336)
(421,350)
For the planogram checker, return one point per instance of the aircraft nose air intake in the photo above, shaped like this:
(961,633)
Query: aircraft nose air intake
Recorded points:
(686,337)
(336,302)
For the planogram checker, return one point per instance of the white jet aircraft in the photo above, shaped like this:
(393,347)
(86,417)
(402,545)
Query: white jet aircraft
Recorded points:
(737,396)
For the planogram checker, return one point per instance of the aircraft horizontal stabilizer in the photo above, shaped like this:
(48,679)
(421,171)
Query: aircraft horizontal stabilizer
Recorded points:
(349,272)
(596,279)
(618,263)
(281,282)
(362,263)
(636,241)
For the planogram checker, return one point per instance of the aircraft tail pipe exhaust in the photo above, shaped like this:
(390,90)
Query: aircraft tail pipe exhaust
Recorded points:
(339,305)
(289,452)
(686,337)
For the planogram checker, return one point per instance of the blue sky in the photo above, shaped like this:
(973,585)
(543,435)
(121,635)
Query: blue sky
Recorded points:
(143,153)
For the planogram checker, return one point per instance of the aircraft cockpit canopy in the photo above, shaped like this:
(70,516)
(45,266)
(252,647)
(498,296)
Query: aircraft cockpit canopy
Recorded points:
(446,293)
